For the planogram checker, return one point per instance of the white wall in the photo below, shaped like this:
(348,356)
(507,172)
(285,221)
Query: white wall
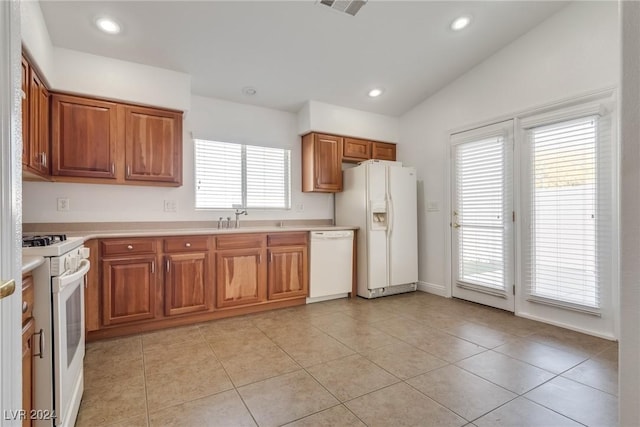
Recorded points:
(322,117)
(104,77)
(35,37)
(73,71)
(630,218)
(208,118)
(575,51)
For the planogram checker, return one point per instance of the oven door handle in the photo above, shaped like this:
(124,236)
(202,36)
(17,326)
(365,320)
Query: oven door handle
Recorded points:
(61,282)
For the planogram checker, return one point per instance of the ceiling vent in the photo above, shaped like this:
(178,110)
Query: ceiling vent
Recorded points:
(350,7)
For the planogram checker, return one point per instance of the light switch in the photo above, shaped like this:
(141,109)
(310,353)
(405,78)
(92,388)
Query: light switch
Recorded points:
(433,206)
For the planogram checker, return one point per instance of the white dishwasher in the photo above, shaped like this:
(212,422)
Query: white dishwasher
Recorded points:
(331,266)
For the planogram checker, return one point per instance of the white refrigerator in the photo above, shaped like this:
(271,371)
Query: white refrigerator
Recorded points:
(380,198)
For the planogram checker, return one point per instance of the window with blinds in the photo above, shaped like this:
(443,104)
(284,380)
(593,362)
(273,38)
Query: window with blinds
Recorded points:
(482,205)
(569,213)
(241,176)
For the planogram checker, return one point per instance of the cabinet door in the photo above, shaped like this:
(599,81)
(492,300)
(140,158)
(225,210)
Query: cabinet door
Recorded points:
(287,272)
(356,150)
(187,283)
(383,151)
(328,162)
(27,371)
(38,125)
(241,276)
(129,289)
(153,145)
(84,136)
(25,111)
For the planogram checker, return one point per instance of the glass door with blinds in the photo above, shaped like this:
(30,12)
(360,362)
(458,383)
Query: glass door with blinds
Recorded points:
(482,215)
(568,200)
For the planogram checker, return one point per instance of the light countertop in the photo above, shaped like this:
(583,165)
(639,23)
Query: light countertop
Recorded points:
(31,262)
(104,234)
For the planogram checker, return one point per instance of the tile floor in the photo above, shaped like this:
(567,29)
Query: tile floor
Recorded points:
(407,360)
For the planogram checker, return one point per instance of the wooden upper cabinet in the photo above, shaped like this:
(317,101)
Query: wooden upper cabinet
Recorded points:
(38,133)
(25,112)
(321,163)
(383,151)
(153,145)
(356,150)
(84,137)
(100,141)
(129,289)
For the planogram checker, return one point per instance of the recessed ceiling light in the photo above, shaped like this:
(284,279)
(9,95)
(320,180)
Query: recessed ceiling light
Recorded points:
(373,93)
(108,25)
(460,22)
(249,91)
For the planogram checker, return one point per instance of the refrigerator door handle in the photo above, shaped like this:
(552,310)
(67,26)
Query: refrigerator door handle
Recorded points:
(391,215)
(390,220)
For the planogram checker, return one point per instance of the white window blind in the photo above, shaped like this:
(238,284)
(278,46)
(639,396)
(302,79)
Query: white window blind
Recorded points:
(482,206)
(567,241)
(233,175)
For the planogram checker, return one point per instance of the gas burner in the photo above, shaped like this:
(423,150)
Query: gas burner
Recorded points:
(48,240)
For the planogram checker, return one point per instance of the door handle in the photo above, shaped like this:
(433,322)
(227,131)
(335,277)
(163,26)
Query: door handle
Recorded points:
(40,354)
(7,288)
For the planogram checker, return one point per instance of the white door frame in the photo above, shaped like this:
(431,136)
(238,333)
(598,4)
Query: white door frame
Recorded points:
(10,212)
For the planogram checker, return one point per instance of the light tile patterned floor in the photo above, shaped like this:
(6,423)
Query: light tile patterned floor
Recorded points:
(412,359)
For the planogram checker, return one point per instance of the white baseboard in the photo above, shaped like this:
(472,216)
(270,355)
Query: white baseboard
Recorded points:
(431,288)
(563,325)
(326,298)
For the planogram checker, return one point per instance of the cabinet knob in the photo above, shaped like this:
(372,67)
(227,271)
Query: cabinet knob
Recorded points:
(25,306)
(188,244)
(130,247)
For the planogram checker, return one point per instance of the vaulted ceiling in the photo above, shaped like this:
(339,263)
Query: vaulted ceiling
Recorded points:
(293,51)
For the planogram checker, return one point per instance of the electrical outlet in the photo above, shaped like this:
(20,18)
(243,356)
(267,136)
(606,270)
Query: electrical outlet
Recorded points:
(63,204)
(299,207)
(170,206)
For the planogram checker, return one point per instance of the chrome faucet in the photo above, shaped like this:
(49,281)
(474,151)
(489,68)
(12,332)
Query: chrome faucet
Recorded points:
(239,212)
(220,223)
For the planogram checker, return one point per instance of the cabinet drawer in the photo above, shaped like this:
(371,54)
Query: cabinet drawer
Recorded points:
(186,244)
(383,151)
(287,239)
(27,299)
(241,241)
(128,246)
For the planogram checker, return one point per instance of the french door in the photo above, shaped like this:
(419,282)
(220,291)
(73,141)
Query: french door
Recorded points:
(482,215)
(567,226)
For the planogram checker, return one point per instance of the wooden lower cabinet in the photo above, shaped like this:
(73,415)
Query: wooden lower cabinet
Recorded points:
(288,276)
(28,331)
(188,283)
(240,277)
(148,283)
(128,289)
